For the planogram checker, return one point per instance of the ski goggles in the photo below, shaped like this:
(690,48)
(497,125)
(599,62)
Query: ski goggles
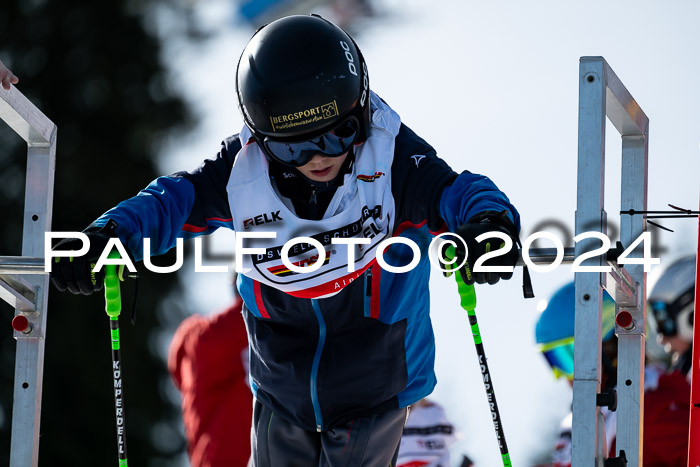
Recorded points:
(665,321)
(560,356)
(333,143)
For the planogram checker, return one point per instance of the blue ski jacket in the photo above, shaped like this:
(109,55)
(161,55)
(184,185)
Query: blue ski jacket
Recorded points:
(320,363)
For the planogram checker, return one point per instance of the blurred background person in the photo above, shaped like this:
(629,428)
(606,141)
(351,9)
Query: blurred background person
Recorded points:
(667,397)
(671,302)
(427,437)
(208,362)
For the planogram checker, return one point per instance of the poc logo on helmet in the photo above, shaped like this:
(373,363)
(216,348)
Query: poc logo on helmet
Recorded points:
(365,85)
(353,70)
(349,57)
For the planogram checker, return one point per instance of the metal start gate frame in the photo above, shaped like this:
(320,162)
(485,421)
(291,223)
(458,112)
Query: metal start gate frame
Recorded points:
(602,94)
(24,284)
(29,294)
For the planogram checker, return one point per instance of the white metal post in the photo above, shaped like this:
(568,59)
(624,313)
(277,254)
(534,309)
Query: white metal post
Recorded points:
(29,295)
(630,357)
(589,216)
(602,94)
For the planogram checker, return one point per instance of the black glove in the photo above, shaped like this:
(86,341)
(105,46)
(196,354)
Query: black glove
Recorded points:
(75,273)
(486,221)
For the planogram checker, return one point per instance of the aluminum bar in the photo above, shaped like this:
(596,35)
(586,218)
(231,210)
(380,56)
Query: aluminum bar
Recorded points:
(40,135)
(21,265)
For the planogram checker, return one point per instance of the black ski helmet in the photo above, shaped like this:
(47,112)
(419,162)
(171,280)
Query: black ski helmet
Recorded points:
(299,77)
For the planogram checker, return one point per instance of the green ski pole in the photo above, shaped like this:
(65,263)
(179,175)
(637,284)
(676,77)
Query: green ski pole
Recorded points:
(113,307)
(467,296)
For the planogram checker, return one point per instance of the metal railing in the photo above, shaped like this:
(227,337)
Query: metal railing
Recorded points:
(29,294)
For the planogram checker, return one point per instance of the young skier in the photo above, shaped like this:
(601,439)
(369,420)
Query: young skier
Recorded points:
(337,353)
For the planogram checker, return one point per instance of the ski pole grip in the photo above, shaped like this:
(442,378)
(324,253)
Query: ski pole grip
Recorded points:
(113,295)
(467,294)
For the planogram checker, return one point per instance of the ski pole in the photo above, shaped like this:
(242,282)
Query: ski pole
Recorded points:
(113,307)
(467,296)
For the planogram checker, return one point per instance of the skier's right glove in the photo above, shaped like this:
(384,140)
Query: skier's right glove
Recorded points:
(487,221)
(75,273)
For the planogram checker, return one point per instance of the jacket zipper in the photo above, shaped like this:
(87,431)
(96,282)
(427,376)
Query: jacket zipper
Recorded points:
(317,359)
(368,292)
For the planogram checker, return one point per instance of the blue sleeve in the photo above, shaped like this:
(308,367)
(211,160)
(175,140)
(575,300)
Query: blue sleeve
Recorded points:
(418,177)
(158,212)
(471,194)
(182,205)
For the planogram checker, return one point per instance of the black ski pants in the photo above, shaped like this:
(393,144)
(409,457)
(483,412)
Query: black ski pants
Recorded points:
(365,442)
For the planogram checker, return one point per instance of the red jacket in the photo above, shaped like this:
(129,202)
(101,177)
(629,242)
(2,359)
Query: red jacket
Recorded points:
(207,360)
(666,418)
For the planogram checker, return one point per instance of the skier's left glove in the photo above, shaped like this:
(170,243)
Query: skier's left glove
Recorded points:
(76,273)
(484,222)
